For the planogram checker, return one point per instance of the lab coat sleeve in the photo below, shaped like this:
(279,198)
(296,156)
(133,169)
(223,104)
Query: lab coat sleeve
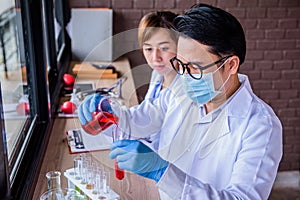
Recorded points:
(166,186)
(146,118)
(253,172)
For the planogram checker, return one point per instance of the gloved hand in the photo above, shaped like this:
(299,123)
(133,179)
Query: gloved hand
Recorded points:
(90,105)
(134,156)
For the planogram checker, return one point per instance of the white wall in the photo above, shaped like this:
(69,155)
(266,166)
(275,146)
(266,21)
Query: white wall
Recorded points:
(91,34)
(6,4)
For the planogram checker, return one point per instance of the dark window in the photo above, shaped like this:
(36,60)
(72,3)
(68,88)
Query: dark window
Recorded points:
(32,62)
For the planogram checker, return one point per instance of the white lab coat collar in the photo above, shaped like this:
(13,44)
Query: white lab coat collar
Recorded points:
(243,94)
(156,82)
(154,85)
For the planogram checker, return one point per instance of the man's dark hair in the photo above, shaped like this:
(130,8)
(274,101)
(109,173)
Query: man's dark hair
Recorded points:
(213,27)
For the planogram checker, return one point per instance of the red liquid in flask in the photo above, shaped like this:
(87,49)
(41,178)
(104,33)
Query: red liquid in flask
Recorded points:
(100,121)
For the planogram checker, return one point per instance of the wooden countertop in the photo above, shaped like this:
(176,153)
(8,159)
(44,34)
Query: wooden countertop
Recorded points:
(57,156)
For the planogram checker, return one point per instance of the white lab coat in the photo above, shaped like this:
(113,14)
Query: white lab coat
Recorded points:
(237,159)
(154,85)
(153,92)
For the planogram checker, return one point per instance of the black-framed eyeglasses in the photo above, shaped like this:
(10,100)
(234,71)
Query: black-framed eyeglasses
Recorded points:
(194,69)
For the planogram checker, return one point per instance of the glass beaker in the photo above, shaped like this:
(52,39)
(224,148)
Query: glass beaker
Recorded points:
(53,180)
(61,194)
(54,194)
(101,118)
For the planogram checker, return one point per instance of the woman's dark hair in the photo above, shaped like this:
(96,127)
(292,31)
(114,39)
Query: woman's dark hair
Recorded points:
(151,22)
(213,27)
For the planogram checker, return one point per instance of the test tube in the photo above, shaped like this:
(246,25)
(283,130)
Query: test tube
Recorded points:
(119,173)
(98,180)
(84,172)
(90,178)
(77,167)
(118,135)
(106,182)
(88,158)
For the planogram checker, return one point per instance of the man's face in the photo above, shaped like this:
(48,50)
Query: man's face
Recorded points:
(189,50)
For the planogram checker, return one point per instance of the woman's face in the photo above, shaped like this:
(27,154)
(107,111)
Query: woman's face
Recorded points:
(158,50)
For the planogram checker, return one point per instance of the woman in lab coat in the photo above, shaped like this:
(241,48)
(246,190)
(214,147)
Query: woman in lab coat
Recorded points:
(223,142)
(158,41)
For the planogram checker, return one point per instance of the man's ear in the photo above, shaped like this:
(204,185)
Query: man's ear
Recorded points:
(233,64)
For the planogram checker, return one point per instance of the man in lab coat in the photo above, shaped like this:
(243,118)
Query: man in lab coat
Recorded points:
(217,139)
(239,137)
(222,142)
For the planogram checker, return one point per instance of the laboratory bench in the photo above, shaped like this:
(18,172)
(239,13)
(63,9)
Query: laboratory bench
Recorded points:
(58,158)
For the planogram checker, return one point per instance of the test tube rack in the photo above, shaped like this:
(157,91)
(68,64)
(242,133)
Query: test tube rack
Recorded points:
(72,182)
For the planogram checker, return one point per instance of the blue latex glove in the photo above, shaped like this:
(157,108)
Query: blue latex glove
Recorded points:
(90,105)
(134,156)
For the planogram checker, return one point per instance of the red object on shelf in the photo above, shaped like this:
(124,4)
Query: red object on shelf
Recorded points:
(119,173)
(69,80)
(23,108)
(68,107)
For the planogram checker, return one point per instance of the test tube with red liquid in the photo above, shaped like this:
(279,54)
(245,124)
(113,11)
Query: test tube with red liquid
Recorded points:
(118,134)
(119,173)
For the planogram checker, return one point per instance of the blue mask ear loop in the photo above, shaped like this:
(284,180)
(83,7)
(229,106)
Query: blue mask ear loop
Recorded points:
(223,85)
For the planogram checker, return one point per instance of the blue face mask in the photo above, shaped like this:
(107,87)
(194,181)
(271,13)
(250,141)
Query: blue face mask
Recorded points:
(203,90)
